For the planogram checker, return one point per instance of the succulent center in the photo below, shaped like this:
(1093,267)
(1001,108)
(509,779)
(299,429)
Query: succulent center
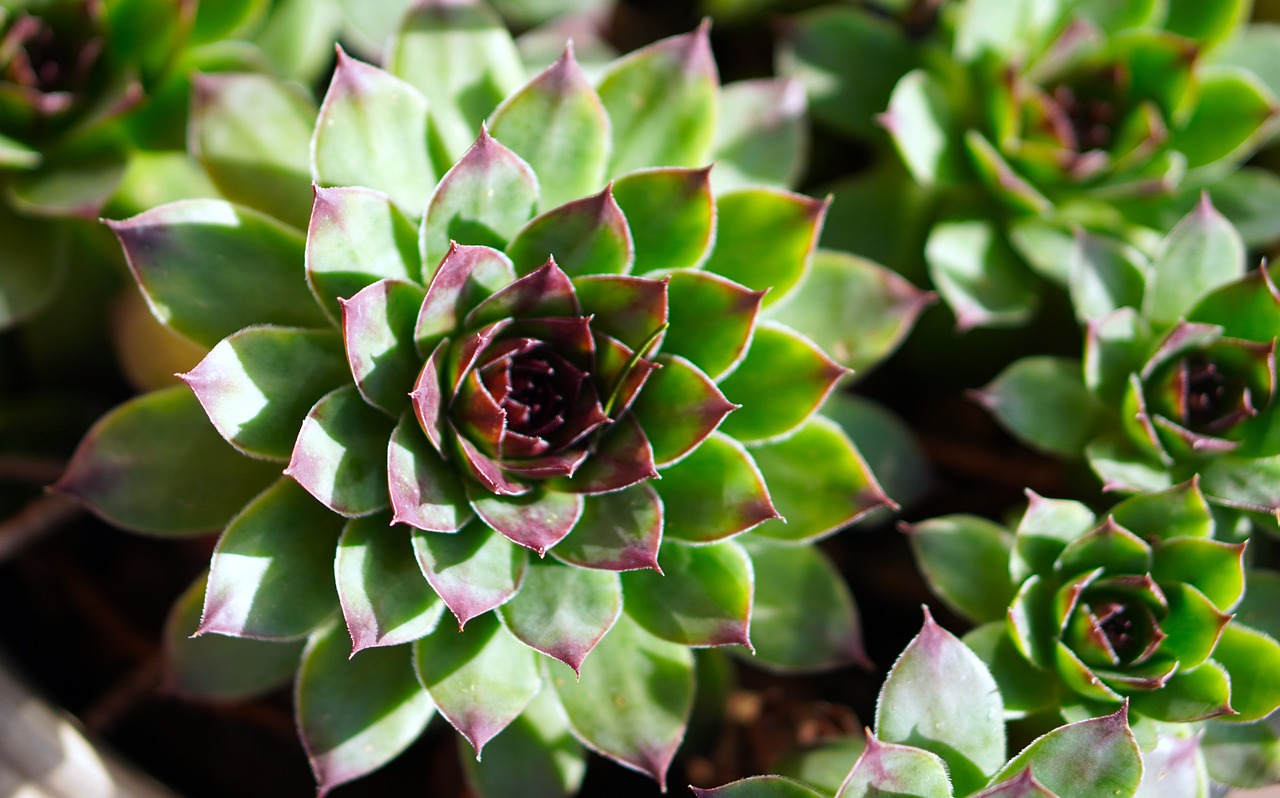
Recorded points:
(42,58)
(1129,628)
(1211,399)
(536,389)
(1091,109)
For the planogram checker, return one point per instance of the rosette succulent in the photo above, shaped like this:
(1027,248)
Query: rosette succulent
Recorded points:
(1179,369)
(533,378)
(1077,615)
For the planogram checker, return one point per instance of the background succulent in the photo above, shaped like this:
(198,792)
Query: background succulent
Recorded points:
(483,347)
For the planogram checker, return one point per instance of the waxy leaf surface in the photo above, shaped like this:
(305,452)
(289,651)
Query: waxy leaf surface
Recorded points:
(340,456)
(701,598)
(563,611)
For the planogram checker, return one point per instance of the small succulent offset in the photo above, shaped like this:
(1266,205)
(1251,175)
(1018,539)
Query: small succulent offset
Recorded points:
(940,732)
(521,377)
(1179,370)
(1081,616)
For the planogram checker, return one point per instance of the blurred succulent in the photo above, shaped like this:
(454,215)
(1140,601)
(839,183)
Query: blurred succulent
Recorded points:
(1079,616)
(940,732)
(1179,369)
(482,348)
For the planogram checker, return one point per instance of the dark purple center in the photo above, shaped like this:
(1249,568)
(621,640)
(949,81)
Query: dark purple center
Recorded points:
(49,60)
(1208,393)
(537,389)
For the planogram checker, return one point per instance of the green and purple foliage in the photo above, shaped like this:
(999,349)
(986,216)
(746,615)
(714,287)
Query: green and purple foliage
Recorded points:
(1079,615)
(533,382)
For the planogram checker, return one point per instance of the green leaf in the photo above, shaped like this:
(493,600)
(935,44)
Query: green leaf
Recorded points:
(887,445)
(1251,659)
(854,309)
(357,237)
(252,134)
(886,769)
(586,236)
(1023,785)
(702,597)
(480,677)
(271,573)
(782,381)
(1001,28)
(816,503)
(1001,178)
(460,56)
(297,37)
(1214,567)
(671,215)
(356,714)
(823,764)
(633,699)
(558,125)
(1248,308)
(218,667)
(714,493)
(1090,757)
(473,570)
(378,326)
(1250,198)
(940,697)
(618,531)
(1024,688)
(678,408)
(978,275)
(711,320)
(761,136)
(1042,400)
(759,787)
(340,456)
(372,131)
(1246,483)
(1241,754)
(803,617)
(1104,275)
(965,560)
(765,238)
(662,100)
(1234,113)
(1044,531)
(534,757)
(1187,696)
(15,155)
(209,268)
(1260,607)
(919,120)
(156,465)
(484,199)
(385,598)
(257,385)
(35,265)
(563,611)
(1201,253)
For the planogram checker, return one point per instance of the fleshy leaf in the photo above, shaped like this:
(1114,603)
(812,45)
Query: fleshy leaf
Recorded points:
(816,503)
(1187,696)
(480,678)
(246,127)
(257,385)
(271,573)
(714,493)
(1023,686)
(35,265)
(803,616)
(1250,483)
(341,454)
(1242,754)
(465,277)
(978,275)
(889,769)
(1104,275)
(712,320)
(618,531)
(628,308)
(919,120)
(1044,531)
(1001,178)
(537,520)
(356,714)
(761,137)
(671,215)
(701,598)
(385,598)
(426,492)
(1200,254)
(1023,785)
(563,611)
(357,237)
(1174,768)
(1176,512)
(372,131)
(623,457)
(965,560)
(764,239)
(484,199)
(1251,659)
(535,755)
(1214,567)
(662,100)
(633,699)
(1248,308)
(759,787)
(1090,757)
(557,123)
(209,268)
(586,236)
(940,697)
(782,381)
(378,328)
(1231,116)
(474,570)
(138,466)
(220,667)
(678,408)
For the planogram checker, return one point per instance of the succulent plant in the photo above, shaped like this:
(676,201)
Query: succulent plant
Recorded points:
(1178,375)
(940,732)
(521,377)
(1079,615)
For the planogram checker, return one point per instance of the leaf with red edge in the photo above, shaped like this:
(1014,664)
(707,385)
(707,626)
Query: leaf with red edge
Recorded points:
(372,131)
(355,714)
(271,572)
(1023,785)
(357,237)
(585,236)
(628,308)
(426,492)
(458,283)
(563,611)
(714,493)
(487,471)
(678,408)
(340,456)
(484,199)
(619,531)
(671,214)
(544,291)
(1090,757)
(155,464)
(762,136)
(480,678)
(891,769)
(701,598)
(712,320)
(621,373)
(535,755)
(474,570)
(385,598)
(537,520)
(759,787)
(377,328)
(428,401)
(633,699)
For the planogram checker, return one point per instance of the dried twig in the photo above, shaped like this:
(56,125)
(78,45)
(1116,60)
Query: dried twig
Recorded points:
(31,470)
